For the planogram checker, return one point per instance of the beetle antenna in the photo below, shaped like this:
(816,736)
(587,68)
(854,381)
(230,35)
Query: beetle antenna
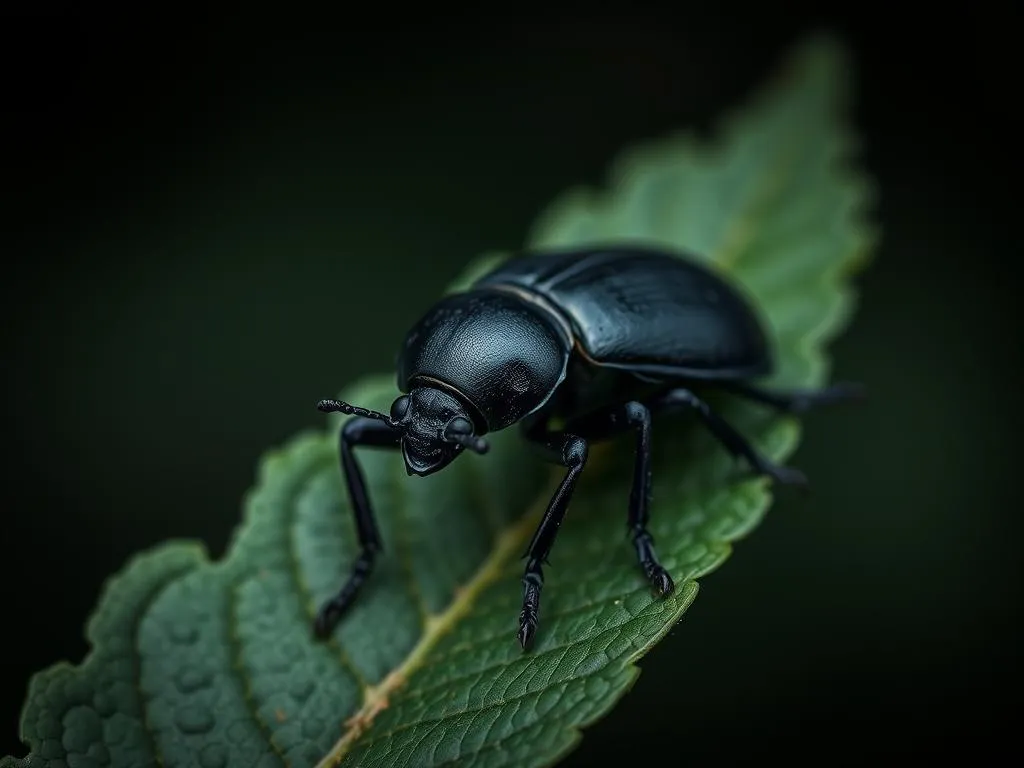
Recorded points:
(339,406)
(470,442)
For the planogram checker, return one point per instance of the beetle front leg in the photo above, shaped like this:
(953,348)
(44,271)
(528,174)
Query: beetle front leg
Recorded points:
(366,432)
(570,451)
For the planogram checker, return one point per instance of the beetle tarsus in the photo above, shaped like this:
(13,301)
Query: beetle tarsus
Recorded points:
(326,618)
(779,473)
(730,438)
(660,579)
(798,400)
(570,451)
(331,611)
(533,582)
(653,570)
(784,475)
(527,628)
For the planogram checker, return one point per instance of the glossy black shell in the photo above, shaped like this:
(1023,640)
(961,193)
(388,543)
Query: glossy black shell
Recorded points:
(506,344)
(646,311)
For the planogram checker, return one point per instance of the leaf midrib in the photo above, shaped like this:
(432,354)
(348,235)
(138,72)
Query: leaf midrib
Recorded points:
(507,545)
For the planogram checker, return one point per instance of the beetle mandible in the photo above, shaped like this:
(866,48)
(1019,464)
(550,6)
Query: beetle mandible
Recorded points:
(601,339)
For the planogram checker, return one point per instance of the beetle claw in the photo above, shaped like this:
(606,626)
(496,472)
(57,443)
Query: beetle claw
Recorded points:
(843,392)
(324,623)
(789,476)
(661,581)
(527,628)
(781,474)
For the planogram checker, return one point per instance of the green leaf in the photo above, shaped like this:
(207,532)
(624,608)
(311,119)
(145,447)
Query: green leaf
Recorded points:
(213,663)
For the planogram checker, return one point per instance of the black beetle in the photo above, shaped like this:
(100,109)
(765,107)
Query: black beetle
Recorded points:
(599,338)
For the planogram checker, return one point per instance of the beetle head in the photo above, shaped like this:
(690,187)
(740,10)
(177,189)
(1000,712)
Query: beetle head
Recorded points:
(436,429)
(434,426)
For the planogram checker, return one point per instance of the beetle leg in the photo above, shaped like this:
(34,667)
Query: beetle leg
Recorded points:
(570,451)
(368,432)
(608,423)
(733,441)
(796,400)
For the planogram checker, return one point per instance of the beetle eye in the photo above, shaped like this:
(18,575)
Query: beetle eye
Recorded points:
(400,407)
(459,426)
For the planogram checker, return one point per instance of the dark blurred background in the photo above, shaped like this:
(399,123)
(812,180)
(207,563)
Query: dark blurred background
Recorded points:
(207,227)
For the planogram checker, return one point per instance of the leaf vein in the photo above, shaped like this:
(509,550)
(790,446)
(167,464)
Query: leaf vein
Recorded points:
(563,649)
(504,637)
(235,649)
(436,722)
(496,745)
(137,667)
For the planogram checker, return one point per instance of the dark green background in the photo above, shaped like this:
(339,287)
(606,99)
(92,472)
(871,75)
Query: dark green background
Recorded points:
(213,226)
